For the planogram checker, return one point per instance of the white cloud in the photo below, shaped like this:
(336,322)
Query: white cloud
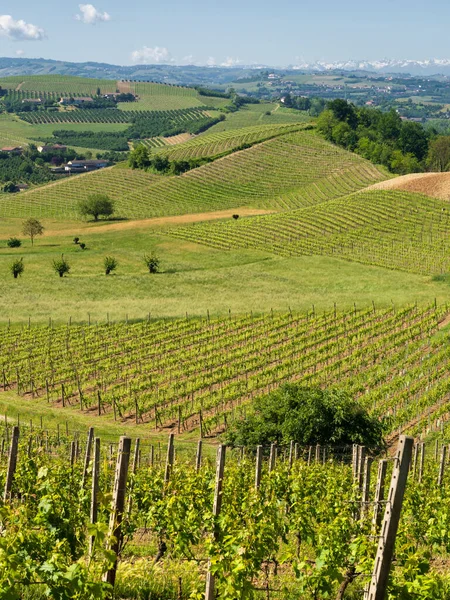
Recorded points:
(187,60)
(19,30)
(211,62)
(230,62)
(20,52)
(90,15)
(148,55)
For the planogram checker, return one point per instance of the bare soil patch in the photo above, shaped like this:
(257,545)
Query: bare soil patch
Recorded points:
(124,87)
(178,139)
(19,87)
(436,185)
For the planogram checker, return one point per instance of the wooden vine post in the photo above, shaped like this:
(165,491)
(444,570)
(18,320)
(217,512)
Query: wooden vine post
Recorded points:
(198,457)
(259,456)
(87,455)
(379,494)
(118,505)
(220,469)
(12,463)
(378,585)
(422,461)
(95,488)
(169,459)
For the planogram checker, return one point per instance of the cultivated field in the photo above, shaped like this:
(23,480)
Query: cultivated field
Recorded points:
(289,171)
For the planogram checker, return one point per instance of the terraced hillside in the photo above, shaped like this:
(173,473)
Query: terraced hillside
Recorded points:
(163,372)
(287,172)
(392,229)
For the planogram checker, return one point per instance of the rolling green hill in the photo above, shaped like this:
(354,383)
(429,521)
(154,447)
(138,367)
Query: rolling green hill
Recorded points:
(392,229)
(289,171)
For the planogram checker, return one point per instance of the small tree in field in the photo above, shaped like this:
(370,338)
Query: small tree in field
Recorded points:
(17,268)
(110,264)
(61,266)
(152,262)
(96,205)
(32,228)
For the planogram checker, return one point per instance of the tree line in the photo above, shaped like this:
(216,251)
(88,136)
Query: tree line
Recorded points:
(384,138)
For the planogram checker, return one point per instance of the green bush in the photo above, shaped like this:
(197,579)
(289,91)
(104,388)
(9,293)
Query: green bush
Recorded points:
(17,268)
(13,242)
(61,266)
(110,264)
(152,262)
(308,416)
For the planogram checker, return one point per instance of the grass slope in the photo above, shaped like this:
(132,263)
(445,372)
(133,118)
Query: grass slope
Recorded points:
(289,171)
(392,229)
(194,278)
(65,85)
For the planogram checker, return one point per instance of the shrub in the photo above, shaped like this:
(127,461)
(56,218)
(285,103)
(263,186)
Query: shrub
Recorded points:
(308,416)
(152,262)
(17,268)
(13,243)
(61,266)
(110,264)
(82,245)
(76,240)
(236,217)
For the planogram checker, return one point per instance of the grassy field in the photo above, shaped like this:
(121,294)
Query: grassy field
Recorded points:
(194,278)
(289,171)
(62,84)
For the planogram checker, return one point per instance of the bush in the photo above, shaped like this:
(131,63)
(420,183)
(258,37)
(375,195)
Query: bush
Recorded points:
(17,268)
(110,264)
(13,243)
(61,266)
(308,416)
(152,262)
(236,217)
(76,240)
(82,245)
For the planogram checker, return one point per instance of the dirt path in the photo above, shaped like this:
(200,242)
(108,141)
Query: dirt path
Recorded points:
(19,87)
(159,221)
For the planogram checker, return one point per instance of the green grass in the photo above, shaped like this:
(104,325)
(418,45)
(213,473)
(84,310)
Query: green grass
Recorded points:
(290,171)
(195,279)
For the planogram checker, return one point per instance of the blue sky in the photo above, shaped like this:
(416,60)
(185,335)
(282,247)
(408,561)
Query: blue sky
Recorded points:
(248,31)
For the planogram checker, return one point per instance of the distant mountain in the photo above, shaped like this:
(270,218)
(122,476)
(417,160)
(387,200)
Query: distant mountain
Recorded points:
(206,75)
(433,66)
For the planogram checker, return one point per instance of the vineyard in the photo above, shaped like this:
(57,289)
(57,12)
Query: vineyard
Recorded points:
(397,230)
(160,96)
(289,171)
(111,115)
(65,86)
(300,521)
(201,374)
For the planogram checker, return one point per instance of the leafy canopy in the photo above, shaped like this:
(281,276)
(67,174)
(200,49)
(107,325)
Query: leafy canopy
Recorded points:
(96,205)
(308,416)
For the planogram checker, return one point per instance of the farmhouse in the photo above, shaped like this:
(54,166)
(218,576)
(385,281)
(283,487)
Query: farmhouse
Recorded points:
(12,149)
(32,101)
(78,166)
(75,101)
(51,148)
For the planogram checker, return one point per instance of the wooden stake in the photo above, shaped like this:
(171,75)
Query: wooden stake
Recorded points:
(422,461)
(378,585)
(12,463)
(198,458)
(379,494)
(442,465)
(220,468)
(273,457)
(95,488)
(118,505)
(169,459)
(259,457)
(87,456)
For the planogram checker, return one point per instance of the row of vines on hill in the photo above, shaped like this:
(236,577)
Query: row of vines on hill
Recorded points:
(197,373)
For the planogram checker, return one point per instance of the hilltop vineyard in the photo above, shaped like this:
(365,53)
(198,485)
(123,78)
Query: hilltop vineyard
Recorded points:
(192,373)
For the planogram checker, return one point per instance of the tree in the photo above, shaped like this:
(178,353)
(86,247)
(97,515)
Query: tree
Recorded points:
(308,416)
(31,228)
(152,262)
(13,242)
(344,112)
(326,122)
(95,205)
(17,267)
(413,140)
(139,157)
(110,264)
(438,158)
(10,187)
(61,266)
